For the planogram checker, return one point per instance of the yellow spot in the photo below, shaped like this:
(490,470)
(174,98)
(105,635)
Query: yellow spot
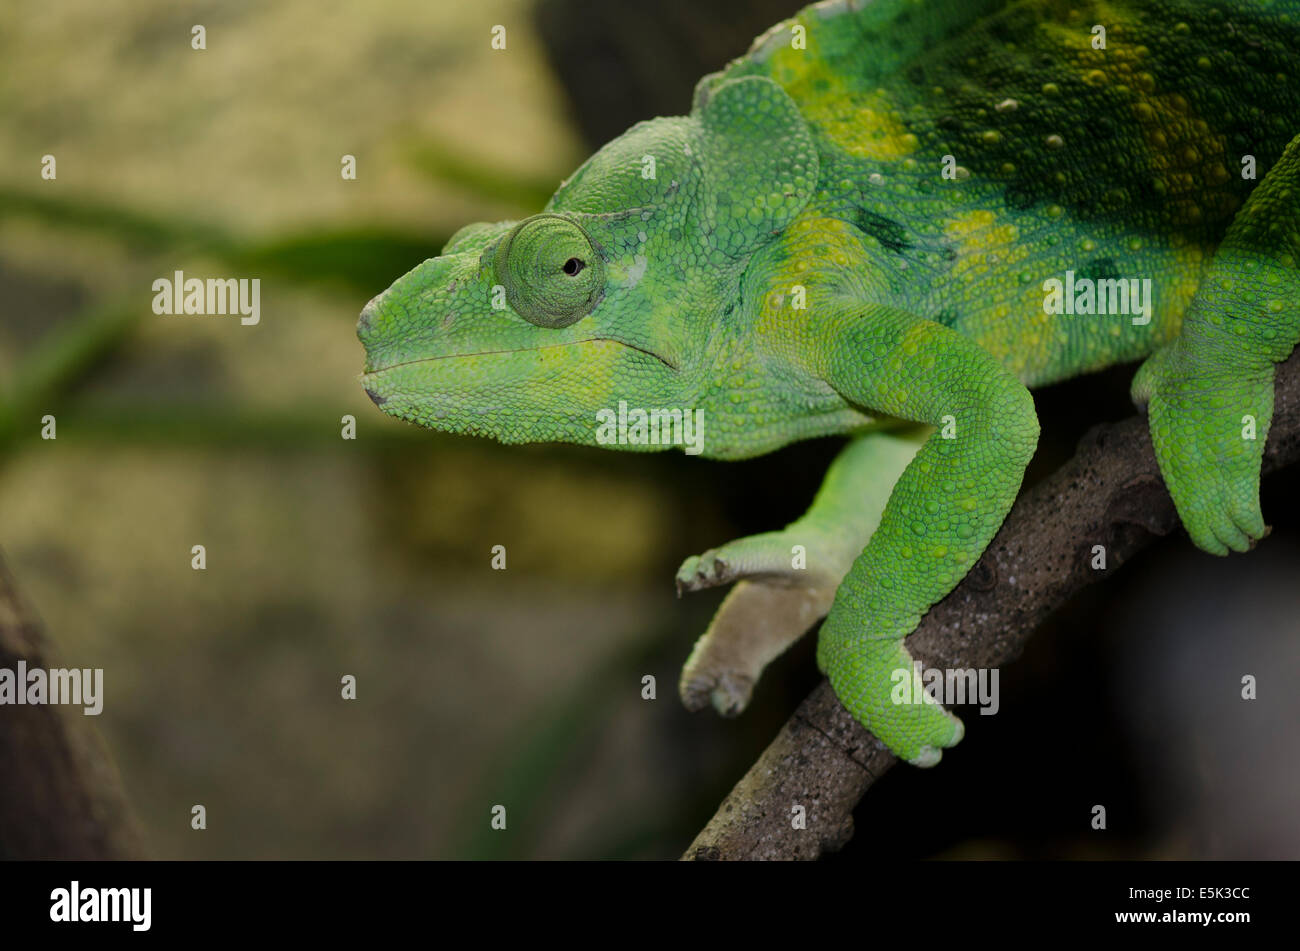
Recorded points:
(813,252)
(875,129)
(978,236)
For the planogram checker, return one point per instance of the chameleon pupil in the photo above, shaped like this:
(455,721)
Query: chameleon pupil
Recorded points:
(573,266)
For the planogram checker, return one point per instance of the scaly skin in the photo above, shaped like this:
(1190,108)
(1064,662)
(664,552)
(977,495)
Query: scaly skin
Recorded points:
(791,260)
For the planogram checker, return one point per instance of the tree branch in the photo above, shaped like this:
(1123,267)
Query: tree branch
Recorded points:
(1110,493)
(60,795)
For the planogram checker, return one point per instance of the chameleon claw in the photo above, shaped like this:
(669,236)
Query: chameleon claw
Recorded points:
(929,756)
(709,570)
(727,691)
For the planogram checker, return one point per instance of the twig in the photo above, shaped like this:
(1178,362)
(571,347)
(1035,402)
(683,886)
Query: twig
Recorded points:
(60,795)
(1110,494)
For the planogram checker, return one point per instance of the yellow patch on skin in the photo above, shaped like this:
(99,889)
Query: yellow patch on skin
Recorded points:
(1171,303)
(1032,340)
(836,250)
(872,128)
(970,223)
(1033,335)
(977,234)
(1191,175)
(1020,333)
(1079,40)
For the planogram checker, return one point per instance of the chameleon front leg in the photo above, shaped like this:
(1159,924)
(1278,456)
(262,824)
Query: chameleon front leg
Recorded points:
(1209,394)
(787,579)
(946,507)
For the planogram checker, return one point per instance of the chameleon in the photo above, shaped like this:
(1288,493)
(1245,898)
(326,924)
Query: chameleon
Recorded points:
(890,221)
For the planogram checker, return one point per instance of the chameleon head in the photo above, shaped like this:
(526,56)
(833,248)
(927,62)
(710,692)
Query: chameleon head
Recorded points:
(626,290)
(504,335)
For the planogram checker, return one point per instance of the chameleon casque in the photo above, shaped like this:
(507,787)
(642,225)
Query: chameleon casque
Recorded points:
(854,232)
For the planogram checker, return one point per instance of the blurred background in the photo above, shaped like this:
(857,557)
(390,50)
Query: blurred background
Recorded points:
(328,557)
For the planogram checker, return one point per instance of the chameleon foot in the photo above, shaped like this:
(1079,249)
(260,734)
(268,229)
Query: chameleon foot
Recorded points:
(755,624)
(865,674)
(1209,433)
(769,557)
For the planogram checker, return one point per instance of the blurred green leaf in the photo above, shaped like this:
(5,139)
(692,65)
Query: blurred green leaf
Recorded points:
(480,178)
(544,758)
(362,259)
(60,358)
(138,229)
(365,258)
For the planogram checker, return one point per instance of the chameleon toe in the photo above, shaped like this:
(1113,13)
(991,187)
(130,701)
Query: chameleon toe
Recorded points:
(928,757)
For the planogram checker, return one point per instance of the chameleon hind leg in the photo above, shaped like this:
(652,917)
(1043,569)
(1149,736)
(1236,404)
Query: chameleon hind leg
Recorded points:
(787,579)
(1209,393)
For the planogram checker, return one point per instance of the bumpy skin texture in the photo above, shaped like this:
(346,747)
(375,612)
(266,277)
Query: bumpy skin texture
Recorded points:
(791,260)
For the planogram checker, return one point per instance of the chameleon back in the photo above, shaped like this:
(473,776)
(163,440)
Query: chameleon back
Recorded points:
(1000,145)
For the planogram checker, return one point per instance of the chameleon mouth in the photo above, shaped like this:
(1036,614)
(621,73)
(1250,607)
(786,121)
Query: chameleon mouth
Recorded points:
(514,394)
(391,386)
(374,369)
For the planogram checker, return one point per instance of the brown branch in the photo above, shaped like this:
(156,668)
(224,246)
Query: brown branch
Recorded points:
(1110,493)
(60,795)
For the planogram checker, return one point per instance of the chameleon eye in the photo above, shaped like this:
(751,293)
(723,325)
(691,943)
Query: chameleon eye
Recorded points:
(552,273)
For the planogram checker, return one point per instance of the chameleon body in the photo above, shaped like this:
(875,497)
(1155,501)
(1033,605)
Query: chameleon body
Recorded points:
(856,229)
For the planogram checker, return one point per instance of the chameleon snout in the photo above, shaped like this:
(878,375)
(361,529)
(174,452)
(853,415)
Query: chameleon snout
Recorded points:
(367,316)
(408,320)
(368,326)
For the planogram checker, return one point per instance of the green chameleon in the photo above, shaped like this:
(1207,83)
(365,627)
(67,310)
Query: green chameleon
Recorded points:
(890,220)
